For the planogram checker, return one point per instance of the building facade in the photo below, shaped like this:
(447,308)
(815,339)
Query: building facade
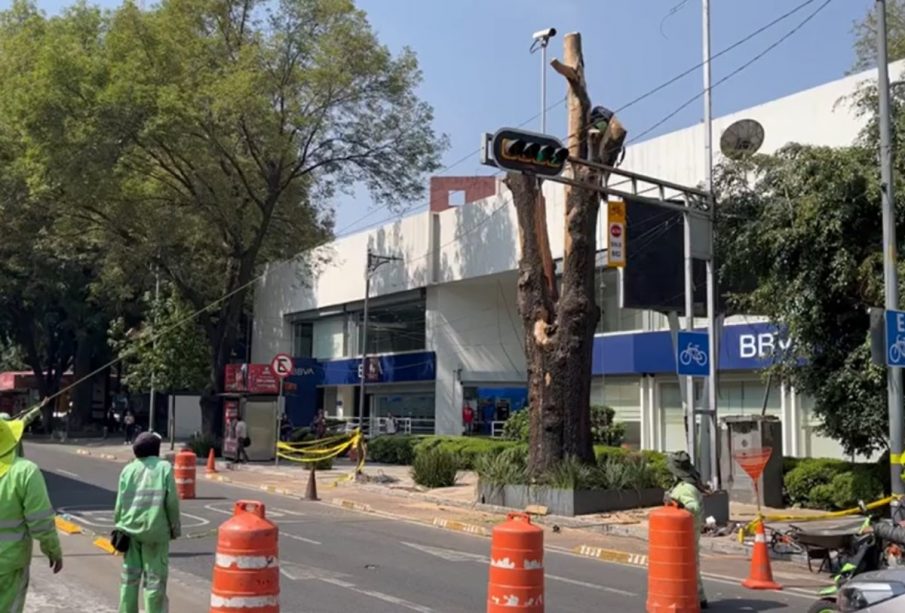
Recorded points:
(443,326)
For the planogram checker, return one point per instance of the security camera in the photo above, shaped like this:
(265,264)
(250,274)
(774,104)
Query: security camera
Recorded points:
(545,35)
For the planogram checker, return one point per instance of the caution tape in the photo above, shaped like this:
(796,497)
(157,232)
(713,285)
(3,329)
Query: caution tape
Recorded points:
(320,441)
(749,527)
(288,451)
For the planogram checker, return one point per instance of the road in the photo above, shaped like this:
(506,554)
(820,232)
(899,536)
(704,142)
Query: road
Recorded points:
(335,560)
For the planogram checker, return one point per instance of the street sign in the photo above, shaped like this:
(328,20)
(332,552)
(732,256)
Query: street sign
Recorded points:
(615,218)
(281,365)
(895,338)
(692,354)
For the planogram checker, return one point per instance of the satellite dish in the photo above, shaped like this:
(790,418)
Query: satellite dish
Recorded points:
(742,138)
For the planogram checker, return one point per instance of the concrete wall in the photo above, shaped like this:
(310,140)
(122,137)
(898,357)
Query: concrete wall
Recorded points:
(474,328)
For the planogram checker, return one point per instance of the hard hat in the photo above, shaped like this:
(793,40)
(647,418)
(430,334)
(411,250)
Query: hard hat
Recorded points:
(10,435)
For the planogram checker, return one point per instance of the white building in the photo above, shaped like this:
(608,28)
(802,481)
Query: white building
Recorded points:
(444,320)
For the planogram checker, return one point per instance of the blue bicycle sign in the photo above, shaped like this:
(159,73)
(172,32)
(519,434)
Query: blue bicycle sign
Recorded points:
(693,354)
(895,338)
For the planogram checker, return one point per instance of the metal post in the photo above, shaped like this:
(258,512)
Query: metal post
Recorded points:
(171,422)
(690,422)
(710,433)
(890,280)
(153,399)
(276,444)
(543,88)
(364,341)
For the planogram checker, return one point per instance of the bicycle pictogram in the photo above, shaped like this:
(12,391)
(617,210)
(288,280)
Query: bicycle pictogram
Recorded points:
(693,353)
(897,350)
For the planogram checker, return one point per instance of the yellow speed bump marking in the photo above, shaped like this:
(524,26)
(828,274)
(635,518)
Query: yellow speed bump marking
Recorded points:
(611,555)
(66,526)
(104,544)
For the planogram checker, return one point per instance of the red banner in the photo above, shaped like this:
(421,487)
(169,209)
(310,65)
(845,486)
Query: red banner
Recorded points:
(251,379)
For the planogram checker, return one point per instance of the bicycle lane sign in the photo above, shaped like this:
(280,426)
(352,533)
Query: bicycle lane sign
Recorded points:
(895,338)
(692,354)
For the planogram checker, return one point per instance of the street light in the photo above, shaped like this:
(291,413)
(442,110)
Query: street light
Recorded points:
(541,40)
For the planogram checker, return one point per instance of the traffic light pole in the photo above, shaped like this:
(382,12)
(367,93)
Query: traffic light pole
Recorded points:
(890,278)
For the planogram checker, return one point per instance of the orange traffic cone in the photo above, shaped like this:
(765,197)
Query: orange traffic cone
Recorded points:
(761,576)
(211,463)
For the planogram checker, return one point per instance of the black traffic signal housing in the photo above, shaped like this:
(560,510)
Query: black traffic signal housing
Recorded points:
(529,152)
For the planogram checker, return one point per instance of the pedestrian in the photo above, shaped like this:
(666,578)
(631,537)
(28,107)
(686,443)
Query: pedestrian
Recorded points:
(242,440)
(128,427)
(319,425)
(147,512)
(468,418)
(25,514)
(688,493)
(391,424)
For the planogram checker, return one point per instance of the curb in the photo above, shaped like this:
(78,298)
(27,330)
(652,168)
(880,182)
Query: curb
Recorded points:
(458,526)
(102,456)
(352,505)
(610,555)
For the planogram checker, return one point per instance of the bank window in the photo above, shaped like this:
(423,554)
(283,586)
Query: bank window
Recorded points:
(395,328)
(302,339)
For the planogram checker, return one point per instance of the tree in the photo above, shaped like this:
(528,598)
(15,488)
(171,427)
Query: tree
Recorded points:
(865,32)
(207,136)
(167,350)
(799,240)
(559,327)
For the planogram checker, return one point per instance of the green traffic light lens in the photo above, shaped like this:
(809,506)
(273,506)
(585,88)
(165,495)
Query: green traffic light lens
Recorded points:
(560,155)
(546,153)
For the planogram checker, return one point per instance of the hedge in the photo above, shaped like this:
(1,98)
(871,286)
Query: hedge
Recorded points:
(823,483)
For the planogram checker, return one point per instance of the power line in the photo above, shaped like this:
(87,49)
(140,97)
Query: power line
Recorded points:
(754,59)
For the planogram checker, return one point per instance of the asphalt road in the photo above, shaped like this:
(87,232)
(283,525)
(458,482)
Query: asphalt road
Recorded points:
(335,560)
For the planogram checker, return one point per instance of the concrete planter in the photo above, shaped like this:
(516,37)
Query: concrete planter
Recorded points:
(568,502)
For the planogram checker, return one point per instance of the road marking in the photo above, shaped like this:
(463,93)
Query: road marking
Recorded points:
(735,582)
(288,512)
(592,586)
(68,473)
(276,514)
(91,515)
(399,602)
(300,538)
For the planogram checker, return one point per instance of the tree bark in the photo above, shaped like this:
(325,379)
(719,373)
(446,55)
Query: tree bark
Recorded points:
(559,330)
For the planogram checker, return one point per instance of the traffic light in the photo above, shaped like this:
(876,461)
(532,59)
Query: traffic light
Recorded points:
(529,152)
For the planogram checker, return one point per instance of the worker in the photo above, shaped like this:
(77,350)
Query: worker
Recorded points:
(688,493)
(25,514)
(147,511)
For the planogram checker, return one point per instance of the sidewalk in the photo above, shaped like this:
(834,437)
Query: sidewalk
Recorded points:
(388,491)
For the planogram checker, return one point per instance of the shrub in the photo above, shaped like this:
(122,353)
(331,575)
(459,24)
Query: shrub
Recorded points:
(393,449)
(509,467)
(809,474)
(299,435)
(518,426)
(821,497)
(202,445)
(467,449)
(604,429)
(571,474)
(850,487)
(434,467)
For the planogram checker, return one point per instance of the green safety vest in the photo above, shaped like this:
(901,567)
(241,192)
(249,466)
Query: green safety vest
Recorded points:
(147,505)
(692,499)
(25,514)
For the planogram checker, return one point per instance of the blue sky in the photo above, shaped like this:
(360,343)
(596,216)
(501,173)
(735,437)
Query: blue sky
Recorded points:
(479,76)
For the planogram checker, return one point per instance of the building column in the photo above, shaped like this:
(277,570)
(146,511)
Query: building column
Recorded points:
(644,407)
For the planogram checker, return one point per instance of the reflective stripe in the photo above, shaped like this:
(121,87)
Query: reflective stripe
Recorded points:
(224,560)
(244,602)
(45,525)
(11,537)
(39,515)
(184,481)
(11,523)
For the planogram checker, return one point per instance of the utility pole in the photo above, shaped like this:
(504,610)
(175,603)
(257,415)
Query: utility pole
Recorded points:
(153,399)
(890,278)
(374,262)
(709,423)
(541,40)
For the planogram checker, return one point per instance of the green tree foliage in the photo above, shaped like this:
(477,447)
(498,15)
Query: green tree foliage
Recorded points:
(799,240)
(208,136)
(168,350)
(865,32)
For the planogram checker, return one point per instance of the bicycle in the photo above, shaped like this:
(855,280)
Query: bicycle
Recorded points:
(897,350)
(693,353)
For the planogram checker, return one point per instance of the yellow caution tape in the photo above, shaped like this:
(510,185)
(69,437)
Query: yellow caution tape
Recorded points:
(320,441)
(896,458)
(748,529)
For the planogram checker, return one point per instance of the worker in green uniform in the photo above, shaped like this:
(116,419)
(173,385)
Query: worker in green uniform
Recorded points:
(147,510)
(25,514)
(688,493)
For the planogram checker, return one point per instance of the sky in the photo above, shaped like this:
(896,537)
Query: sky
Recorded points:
(479,75)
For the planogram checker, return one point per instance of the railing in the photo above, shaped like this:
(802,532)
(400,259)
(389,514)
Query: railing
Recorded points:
(377,426)
(496,429)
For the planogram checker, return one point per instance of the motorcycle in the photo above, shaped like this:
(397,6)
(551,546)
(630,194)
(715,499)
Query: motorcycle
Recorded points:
(871,580)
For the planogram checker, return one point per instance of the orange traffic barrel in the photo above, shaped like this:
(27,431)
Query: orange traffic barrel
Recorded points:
(246,565)
(185,473)
(516,566)
(672,575)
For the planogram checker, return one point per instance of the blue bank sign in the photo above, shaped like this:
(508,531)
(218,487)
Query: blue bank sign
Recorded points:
(742,347)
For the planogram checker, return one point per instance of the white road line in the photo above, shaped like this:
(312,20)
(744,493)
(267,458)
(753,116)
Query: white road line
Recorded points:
(68,473)
(399,602)
(736,582)
(288,512)
(300,538)
(592,586)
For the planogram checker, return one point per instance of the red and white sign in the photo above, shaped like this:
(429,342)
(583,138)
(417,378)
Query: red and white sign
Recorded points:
(616,235)
(251,379)
(281,365)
